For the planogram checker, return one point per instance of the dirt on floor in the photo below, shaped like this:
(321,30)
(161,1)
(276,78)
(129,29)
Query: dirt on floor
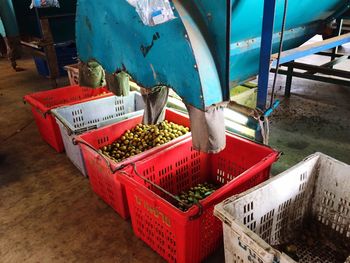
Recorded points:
(48,212)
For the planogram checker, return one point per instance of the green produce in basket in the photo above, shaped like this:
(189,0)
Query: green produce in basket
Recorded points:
(194,194)
(142,138)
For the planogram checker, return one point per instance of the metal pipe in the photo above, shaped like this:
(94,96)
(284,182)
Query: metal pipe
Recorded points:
(265,52)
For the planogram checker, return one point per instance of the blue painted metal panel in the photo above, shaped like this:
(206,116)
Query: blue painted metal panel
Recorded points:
(206,65)
(112,33)
(247,29)
(212,19)
(115,36)
(245,54)
(300,52)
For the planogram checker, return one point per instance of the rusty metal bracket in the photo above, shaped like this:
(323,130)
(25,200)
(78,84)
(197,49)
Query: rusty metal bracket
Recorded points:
(48,45)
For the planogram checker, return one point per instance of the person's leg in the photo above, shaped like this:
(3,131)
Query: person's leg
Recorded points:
(3,47)
(8,18)
(13,51)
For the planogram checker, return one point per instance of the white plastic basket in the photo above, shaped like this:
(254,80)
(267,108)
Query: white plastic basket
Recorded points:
(73,74)
(79,118)
(273,213)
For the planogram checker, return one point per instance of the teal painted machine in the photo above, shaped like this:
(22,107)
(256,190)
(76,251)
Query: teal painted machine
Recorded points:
(209,48)
(8,22)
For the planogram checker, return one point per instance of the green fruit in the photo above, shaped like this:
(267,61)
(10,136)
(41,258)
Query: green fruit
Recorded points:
(141,138)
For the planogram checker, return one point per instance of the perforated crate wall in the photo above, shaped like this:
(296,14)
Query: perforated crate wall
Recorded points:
(174,234)
(79,118)
(43,102)
(100,112)
(103,181)
(317,188)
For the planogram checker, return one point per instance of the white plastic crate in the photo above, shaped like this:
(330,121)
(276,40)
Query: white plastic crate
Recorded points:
(317,190)
(79,118)
(73,74)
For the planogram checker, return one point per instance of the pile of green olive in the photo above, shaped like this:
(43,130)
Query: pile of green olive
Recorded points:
(194,194)
(142,138)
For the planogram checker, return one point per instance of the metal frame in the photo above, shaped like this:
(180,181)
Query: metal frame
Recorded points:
(265,52)
(267,60)
(287,58)
(303,51)
(333,76)
(44,46)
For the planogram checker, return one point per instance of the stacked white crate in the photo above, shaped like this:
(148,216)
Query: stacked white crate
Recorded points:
(79,118)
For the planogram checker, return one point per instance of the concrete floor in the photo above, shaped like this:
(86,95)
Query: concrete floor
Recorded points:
(316,118)
(48,213)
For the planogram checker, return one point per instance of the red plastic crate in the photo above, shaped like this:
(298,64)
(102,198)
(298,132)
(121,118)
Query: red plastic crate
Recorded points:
(176,235)
(42,102)
(104,182)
